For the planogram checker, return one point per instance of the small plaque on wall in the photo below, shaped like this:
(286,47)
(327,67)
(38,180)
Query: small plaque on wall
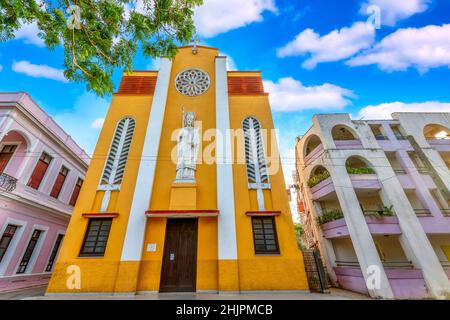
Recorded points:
(151,247)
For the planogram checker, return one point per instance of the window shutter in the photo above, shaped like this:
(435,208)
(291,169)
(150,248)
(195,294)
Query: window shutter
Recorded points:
(118,155)
(124,152)
(5,155)
(254,152)
(251,174)
(56,190)
(76,192)
(39,171)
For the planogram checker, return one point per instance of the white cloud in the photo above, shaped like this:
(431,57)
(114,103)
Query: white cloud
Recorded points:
(98,123)
(78,120)
(392,11)
(29,34)
(334,46)
(289,95)
(219,16)
(420,48)
(384,110)
(38,71)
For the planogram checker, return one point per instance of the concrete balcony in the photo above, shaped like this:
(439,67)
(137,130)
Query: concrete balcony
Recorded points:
(408,184)
(377,226)
(442,145)
(313,155)
(435,224)
(325,188)
(389,146)
(406,282)
(348,144)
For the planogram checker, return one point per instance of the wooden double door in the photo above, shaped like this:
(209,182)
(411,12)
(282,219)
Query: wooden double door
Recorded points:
(179,265)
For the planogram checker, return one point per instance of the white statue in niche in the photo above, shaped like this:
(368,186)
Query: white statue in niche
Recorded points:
(188,144)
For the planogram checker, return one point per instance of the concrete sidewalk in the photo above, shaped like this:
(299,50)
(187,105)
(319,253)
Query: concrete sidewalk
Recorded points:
(335,294)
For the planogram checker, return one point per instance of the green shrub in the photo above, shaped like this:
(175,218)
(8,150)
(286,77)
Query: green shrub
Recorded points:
(364,170)
(367,170)
(317,178)
(329,216)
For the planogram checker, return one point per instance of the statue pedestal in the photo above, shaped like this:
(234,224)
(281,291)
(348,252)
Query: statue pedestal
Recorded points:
(183,196)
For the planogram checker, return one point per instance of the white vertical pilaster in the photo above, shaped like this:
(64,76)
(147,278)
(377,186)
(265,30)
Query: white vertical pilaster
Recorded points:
(134,238)
(225,187)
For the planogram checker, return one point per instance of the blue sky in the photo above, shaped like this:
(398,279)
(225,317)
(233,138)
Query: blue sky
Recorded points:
(316,56)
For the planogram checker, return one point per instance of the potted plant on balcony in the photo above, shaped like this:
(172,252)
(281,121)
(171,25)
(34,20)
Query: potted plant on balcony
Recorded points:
(329,216)
(387,211)
(361,170)
(317,178)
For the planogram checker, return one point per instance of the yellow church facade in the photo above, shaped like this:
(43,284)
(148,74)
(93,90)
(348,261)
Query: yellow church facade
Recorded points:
(149,219)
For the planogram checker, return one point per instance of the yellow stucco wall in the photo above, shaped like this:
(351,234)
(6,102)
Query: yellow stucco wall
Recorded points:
(264,272)
(250,271)
(99,274)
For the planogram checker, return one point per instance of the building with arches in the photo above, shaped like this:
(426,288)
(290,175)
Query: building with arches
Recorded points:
(169,205)
(41,173)
(376,202)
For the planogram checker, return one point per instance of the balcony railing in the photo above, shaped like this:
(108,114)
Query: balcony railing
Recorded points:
(381,137)
(398,264)
(399,171)
(400,137)
(423,170)
(347,263)
(445,264)
(386,264)
(379,213)
(7,183)
(445,212)
(422,212)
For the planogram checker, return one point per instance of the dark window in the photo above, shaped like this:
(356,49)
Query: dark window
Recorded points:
(6,239)
(29,251)
(59,182)
(76,192)
(39,171)
(97,233)
(6,154)
(265,235)
(49,266)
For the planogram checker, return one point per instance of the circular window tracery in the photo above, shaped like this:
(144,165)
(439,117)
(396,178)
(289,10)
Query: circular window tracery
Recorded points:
(192,82)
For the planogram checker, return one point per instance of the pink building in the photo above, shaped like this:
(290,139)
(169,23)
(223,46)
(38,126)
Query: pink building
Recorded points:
(41,173)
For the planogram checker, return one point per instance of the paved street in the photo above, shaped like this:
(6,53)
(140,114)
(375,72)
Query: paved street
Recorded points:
(37,293)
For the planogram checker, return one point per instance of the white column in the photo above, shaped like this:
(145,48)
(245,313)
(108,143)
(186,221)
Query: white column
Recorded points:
(360,235)
(134,238)
(225,187)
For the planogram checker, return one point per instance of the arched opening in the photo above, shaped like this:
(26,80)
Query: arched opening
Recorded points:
(358,165)
(318,174)
(312,144)
(341,132)
(436,132)
(13,149)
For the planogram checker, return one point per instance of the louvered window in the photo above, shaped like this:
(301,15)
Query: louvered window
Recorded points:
(118,154)
(254,152)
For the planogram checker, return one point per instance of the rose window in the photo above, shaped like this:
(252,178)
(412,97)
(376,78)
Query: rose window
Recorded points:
(192,82)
